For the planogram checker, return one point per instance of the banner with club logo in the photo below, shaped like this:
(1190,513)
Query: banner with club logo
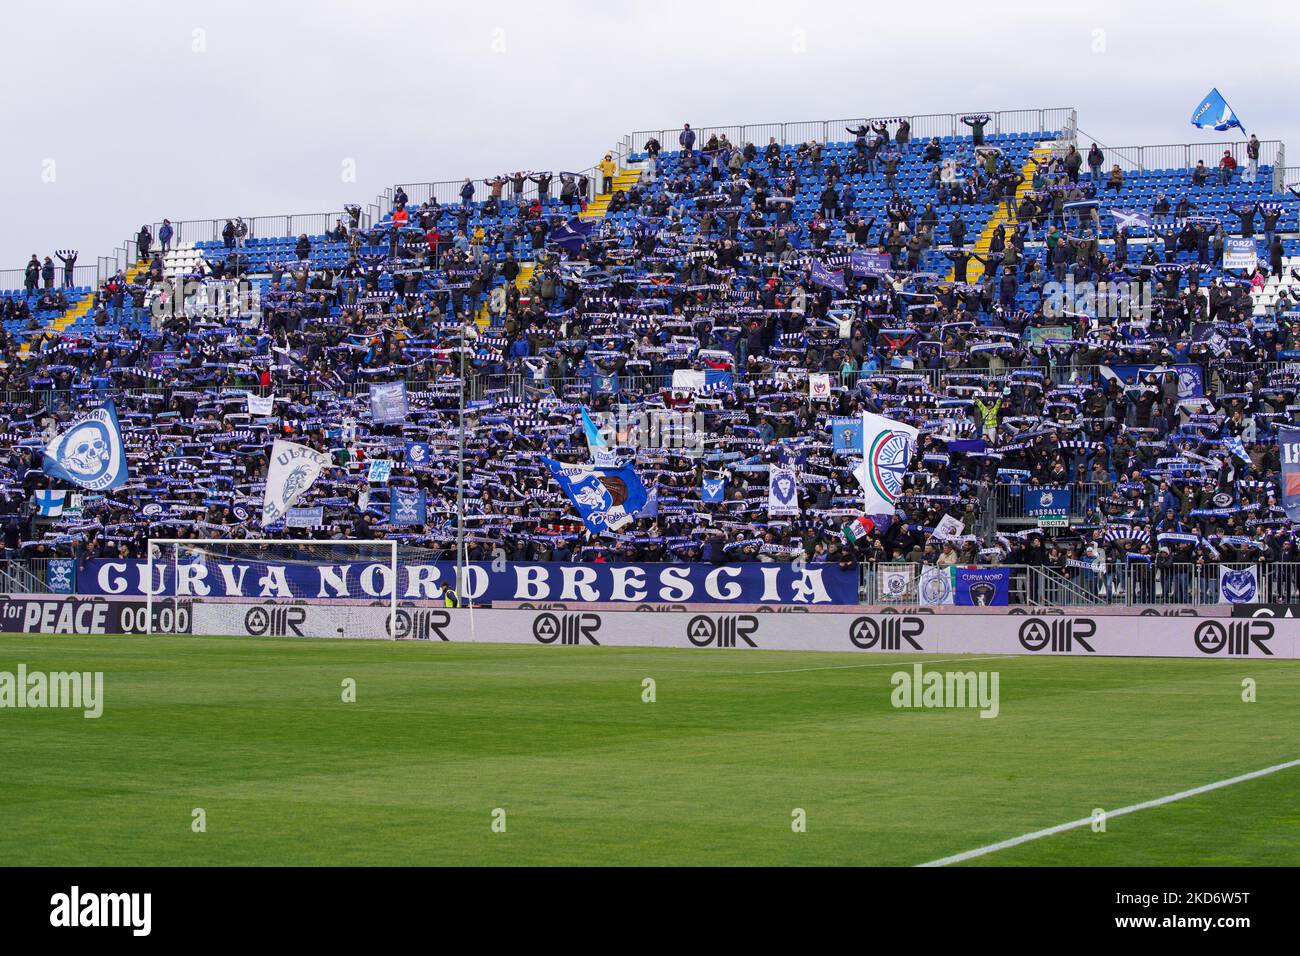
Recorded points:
(1238,585)
(819,385)
(782,492)
(89,452)
(896,582)
(887,448)
(936,586)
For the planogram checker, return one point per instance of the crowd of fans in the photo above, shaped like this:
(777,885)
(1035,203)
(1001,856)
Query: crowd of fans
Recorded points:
(759,268)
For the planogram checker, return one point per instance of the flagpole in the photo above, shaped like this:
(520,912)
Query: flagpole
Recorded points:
(865,472)
(460,484)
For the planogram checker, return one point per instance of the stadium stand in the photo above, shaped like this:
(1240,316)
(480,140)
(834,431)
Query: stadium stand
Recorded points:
(1046,327)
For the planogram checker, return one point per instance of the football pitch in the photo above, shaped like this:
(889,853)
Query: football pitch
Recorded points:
(239,751)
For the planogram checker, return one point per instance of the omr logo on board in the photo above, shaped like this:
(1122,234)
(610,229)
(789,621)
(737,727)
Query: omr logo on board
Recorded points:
(887,634)
(1058,635)
(274,621)
(723,631)
(1235,637)
(420,625)
(550,628)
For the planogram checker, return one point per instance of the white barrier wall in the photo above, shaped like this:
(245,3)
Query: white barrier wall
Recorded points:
(1077,635)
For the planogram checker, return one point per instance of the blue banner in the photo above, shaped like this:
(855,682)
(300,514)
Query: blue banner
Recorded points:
(753,583)
(388,401)
(1288,447)
(981,587)
(61,575)
(1191,378)
(407,508)
(1047,502)
(846,435)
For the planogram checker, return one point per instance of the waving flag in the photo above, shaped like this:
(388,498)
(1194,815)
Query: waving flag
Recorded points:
(1214,112)
(887,448)
(49,503)
(294,469)
(605,498)
(89,453)
(821,275)
(571,235)
(602,456)
(1131,219)
(1288,441)
(713,491)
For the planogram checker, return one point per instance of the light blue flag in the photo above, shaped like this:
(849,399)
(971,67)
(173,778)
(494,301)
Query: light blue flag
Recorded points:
(606,498)
(713,491)
(1234,445)
(49,503)
(1214,112)
(89,453)
(602,456)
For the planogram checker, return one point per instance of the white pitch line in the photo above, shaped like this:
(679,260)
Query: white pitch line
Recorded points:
(840,667)
(1075,824)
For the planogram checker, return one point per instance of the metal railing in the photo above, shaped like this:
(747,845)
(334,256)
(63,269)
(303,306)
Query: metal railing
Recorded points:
(1126,584)
(1016,503)
(1185,155)
(11,280)
(1057,121)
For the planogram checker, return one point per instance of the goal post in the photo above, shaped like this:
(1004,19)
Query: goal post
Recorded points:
(276,587)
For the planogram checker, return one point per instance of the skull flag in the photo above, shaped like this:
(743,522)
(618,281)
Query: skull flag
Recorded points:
(294,469)
(89,453)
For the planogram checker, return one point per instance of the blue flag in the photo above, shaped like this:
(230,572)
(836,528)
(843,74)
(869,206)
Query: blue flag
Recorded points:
(846,434)
(821,275)
(89,453)
(417,453)
(1214,112)
(571,235)
(713,491)
(605,498)
(407,507)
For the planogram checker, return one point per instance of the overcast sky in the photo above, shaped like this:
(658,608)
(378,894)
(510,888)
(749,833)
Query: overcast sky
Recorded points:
(118,113)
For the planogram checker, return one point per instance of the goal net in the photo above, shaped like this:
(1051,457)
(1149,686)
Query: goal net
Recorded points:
(276,588)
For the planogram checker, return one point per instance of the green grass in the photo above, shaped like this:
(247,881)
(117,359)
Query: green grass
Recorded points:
(255,733)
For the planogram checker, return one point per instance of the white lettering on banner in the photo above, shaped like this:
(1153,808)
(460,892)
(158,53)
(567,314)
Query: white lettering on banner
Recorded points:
(579,584)
(336,577)
(384,587)
(676,585)
(622,578)
(673,584)
(530,583)
(421,579)
(190,579)
(732,590)
(112,578)
(233,584)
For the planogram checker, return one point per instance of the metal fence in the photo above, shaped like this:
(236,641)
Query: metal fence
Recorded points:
(1057,121)
(1186,155)
(11,280)
(1135,584)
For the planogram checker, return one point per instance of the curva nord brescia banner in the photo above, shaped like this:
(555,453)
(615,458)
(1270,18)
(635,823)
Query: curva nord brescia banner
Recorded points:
(755,583)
